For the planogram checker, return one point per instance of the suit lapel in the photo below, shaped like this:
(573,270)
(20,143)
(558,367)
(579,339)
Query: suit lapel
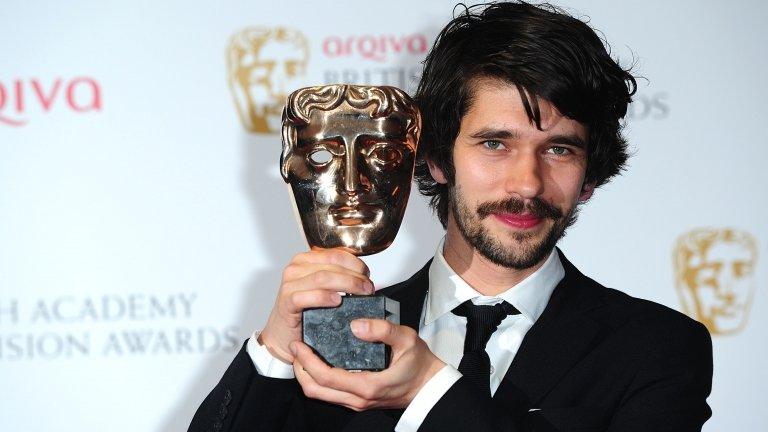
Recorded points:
(561,336)
(411,294)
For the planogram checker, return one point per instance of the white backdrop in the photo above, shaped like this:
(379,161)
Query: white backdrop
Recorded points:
(143,228)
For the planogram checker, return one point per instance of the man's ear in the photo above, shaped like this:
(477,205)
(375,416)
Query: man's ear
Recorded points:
(586,192)
(436,172)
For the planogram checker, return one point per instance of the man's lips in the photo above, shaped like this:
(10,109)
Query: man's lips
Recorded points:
(523,221)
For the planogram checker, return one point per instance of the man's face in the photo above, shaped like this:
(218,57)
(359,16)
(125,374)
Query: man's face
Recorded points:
(516,187)
(722,285)
(264,78)
(351,175)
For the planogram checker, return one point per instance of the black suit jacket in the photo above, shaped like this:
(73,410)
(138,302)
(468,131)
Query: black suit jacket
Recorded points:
(596,360)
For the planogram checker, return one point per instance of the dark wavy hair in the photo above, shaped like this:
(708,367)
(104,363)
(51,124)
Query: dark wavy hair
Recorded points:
(545,53)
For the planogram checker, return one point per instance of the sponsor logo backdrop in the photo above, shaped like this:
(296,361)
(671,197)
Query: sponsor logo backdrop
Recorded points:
(144,225)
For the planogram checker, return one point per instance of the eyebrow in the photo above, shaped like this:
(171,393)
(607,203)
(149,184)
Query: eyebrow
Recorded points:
(313,140)
(569,139)
(564,139)
(392,137)
(491,133)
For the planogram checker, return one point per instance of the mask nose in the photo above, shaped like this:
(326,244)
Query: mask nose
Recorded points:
(726,291)
(355,182)
(276,82)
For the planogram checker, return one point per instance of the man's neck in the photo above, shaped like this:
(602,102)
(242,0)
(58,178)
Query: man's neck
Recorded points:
(486,277)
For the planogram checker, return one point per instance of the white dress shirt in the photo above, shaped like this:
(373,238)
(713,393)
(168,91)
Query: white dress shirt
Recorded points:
(444,332)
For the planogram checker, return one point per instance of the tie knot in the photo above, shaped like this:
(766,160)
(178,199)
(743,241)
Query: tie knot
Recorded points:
(482,321)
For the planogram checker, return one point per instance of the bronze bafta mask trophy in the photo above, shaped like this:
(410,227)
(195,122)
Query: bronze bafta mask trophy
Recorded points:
(348,155)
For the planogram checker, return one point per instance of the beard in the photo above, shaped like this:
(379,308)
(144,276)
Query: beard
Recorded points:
(530,250)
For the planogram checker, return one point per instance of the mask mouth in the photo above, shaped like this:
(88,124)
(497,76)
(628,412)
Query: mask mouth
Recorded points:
(727,310)
(354,215)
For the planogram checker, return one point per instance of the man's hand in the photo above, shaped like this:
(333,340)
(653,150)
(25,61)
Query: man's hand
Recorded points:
(311,279)
(413,364)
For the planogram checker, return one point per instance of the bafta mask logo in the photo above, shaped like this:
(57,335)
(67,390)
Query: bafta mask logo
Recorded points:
(348,154)
(714,277)
(264,65)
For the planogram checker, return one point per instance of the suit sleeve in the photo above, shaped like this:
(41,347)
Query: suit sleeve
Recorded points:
(244,400)
(670,391)
(668,394)
(463,408)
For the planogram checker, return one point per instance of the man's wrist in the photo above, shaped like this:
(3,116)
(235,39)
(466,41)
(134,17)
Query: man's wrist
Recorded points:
(273,348)
(266,364)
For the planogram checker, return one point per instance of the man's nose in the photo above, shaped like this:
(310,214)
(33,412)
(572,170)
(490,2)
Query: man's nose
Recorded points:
(524,176)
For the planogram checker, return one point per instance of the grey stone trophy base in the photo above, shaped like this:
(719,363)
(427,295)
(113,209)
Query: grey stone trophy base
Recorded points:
(327,331)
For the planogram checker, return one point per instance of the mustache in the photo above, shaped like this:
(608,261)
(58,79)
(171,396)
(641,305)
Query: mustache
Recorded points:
(535,206)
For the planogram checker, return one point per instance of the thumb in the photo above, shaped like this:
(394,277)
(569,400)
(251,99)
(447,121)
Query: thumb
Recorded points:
(378,330)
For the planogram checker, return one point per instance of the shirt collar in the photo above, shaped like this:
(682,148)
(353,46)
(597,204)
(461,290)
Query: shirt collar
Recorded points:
(448,290)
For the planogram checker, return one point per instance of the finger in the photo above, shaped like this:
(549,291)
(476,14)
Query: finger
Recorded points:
(359,384)
(301,300)
(380,330)
(333,256)
(313,390)
(298,271)
(332,281)
(304,355)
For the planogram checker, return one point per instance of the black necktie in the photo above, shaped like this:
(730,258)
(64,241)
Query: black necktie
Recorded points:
(482,321)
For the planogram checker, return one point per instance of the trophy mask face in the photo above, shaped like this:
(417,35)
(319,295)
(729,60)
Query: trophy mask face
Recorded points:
(715,277)
(348,154)
(263,65)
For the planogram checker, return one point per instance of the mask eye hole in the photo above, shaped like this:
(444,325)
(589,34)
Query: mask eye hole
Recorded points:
(320,157)
(386,156)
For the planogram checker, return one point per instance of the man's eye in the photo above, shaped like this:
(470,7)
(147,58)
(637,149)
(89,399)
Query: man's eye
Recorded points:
(493,145)
(560,151)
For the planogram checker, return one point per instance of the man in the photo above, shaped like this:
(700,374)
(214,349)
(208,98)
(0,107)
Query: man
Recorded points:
(521,111)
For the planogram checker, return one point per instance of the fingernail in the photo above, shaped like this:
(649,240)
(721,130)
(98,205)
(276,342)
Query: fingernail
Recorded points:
(359,326)
(336,298)
(368,285)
